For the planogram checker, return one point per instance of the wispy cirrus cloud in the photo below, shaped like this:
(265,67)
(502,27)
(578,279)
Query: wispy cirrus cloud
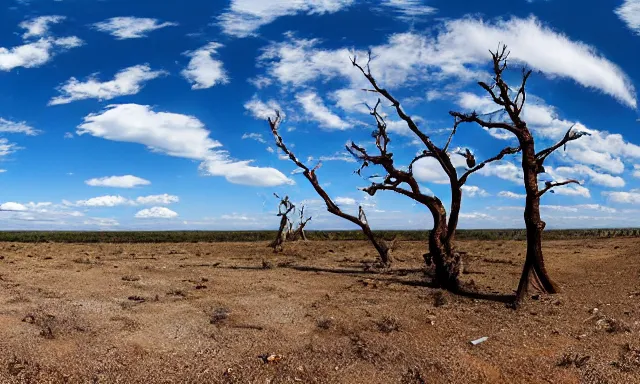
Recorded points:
(129,27)
(245,17)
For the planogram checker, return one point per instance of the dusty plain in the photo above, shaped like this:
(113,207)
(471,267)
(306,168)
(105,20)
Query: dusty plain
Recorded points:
(316,313)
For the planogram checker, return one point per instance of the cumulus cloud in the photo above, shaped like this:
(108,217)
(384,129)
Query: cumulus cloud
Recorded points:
(126,181)
(473,191)
(164,199)
(631,197)
(504,170)
(595,177)
(204,71)
(244,17)
(345,201)
(603,150)
(117,200)
(12,206)
(128,81)
(156,213)
(629,13)
(135,123)
(316,110)
(39,26)
(130,27)
(263,110)
(35,53)
(102,201)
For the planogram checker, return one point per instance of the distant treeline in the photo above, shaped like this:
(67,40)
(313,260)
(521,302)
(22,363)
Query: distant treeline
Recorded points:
(247,236)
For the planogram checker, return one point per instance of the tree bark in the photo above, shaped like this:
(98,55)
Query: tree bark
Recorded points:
(534,272)
(441,252)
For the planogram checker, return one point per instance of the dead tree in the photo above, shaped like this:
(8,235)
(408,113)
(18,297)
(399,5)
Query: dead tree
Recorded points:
(286,231)
(442,252)
(299,233)
(310,174)
(284,209)
(534,272)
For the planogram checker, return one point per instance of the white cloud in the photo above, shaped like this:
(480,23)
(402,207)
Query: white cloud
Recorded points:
(459,50)
(636,170)
(117,200)
(203,70)
(629,12)
(130,27)
(128,81)
(504,170)
(156,213)
(39,26)
(429,170)
(338,156)
(261,110)
(345,201)
(254,136)
(539,47)
(7,148)
(595,177)
(473,191)
(409,10)
(135,123)
(126,181)
(315,109)
(244,17)
(164,199)
(101,222)
(601,149)
(632,197)
(476,216)
(36,53)
(573,190)
(102,201)
(511,195)
(17,127)
(11,206)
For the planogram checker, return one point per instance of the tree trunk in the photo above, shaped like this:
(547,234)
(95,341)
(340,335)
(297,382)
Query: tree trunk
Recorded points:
(281,237)
(534,272)
(441,252)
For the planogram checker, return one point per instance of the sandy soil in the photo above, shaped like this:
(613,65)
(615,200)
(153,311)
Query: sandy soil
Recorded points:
(204,313)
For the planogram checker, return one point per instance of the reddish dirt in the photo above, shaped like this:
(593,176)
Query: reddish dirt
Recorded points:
(204,313)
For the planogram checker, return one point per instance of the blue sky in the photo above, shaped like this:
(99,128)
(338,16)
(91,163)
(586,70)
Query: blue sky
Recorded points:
(147,114)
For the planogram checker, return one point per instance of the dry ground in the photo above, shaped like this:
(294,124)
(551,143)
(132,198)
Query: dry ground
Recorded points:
(204,313)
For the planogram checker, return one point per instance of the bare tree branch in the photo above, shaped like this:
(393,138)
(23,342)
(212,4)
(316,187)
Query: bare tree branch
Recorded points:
(550,185)
(332,207)
(499,156)
(569,136)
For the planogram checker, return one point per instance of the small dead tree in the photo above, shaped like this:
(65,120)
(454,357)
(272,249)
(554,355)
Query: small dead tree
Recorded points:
(299,233)
(448,263)
(286,231)
(534,272)
(384,251)
(284,209)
